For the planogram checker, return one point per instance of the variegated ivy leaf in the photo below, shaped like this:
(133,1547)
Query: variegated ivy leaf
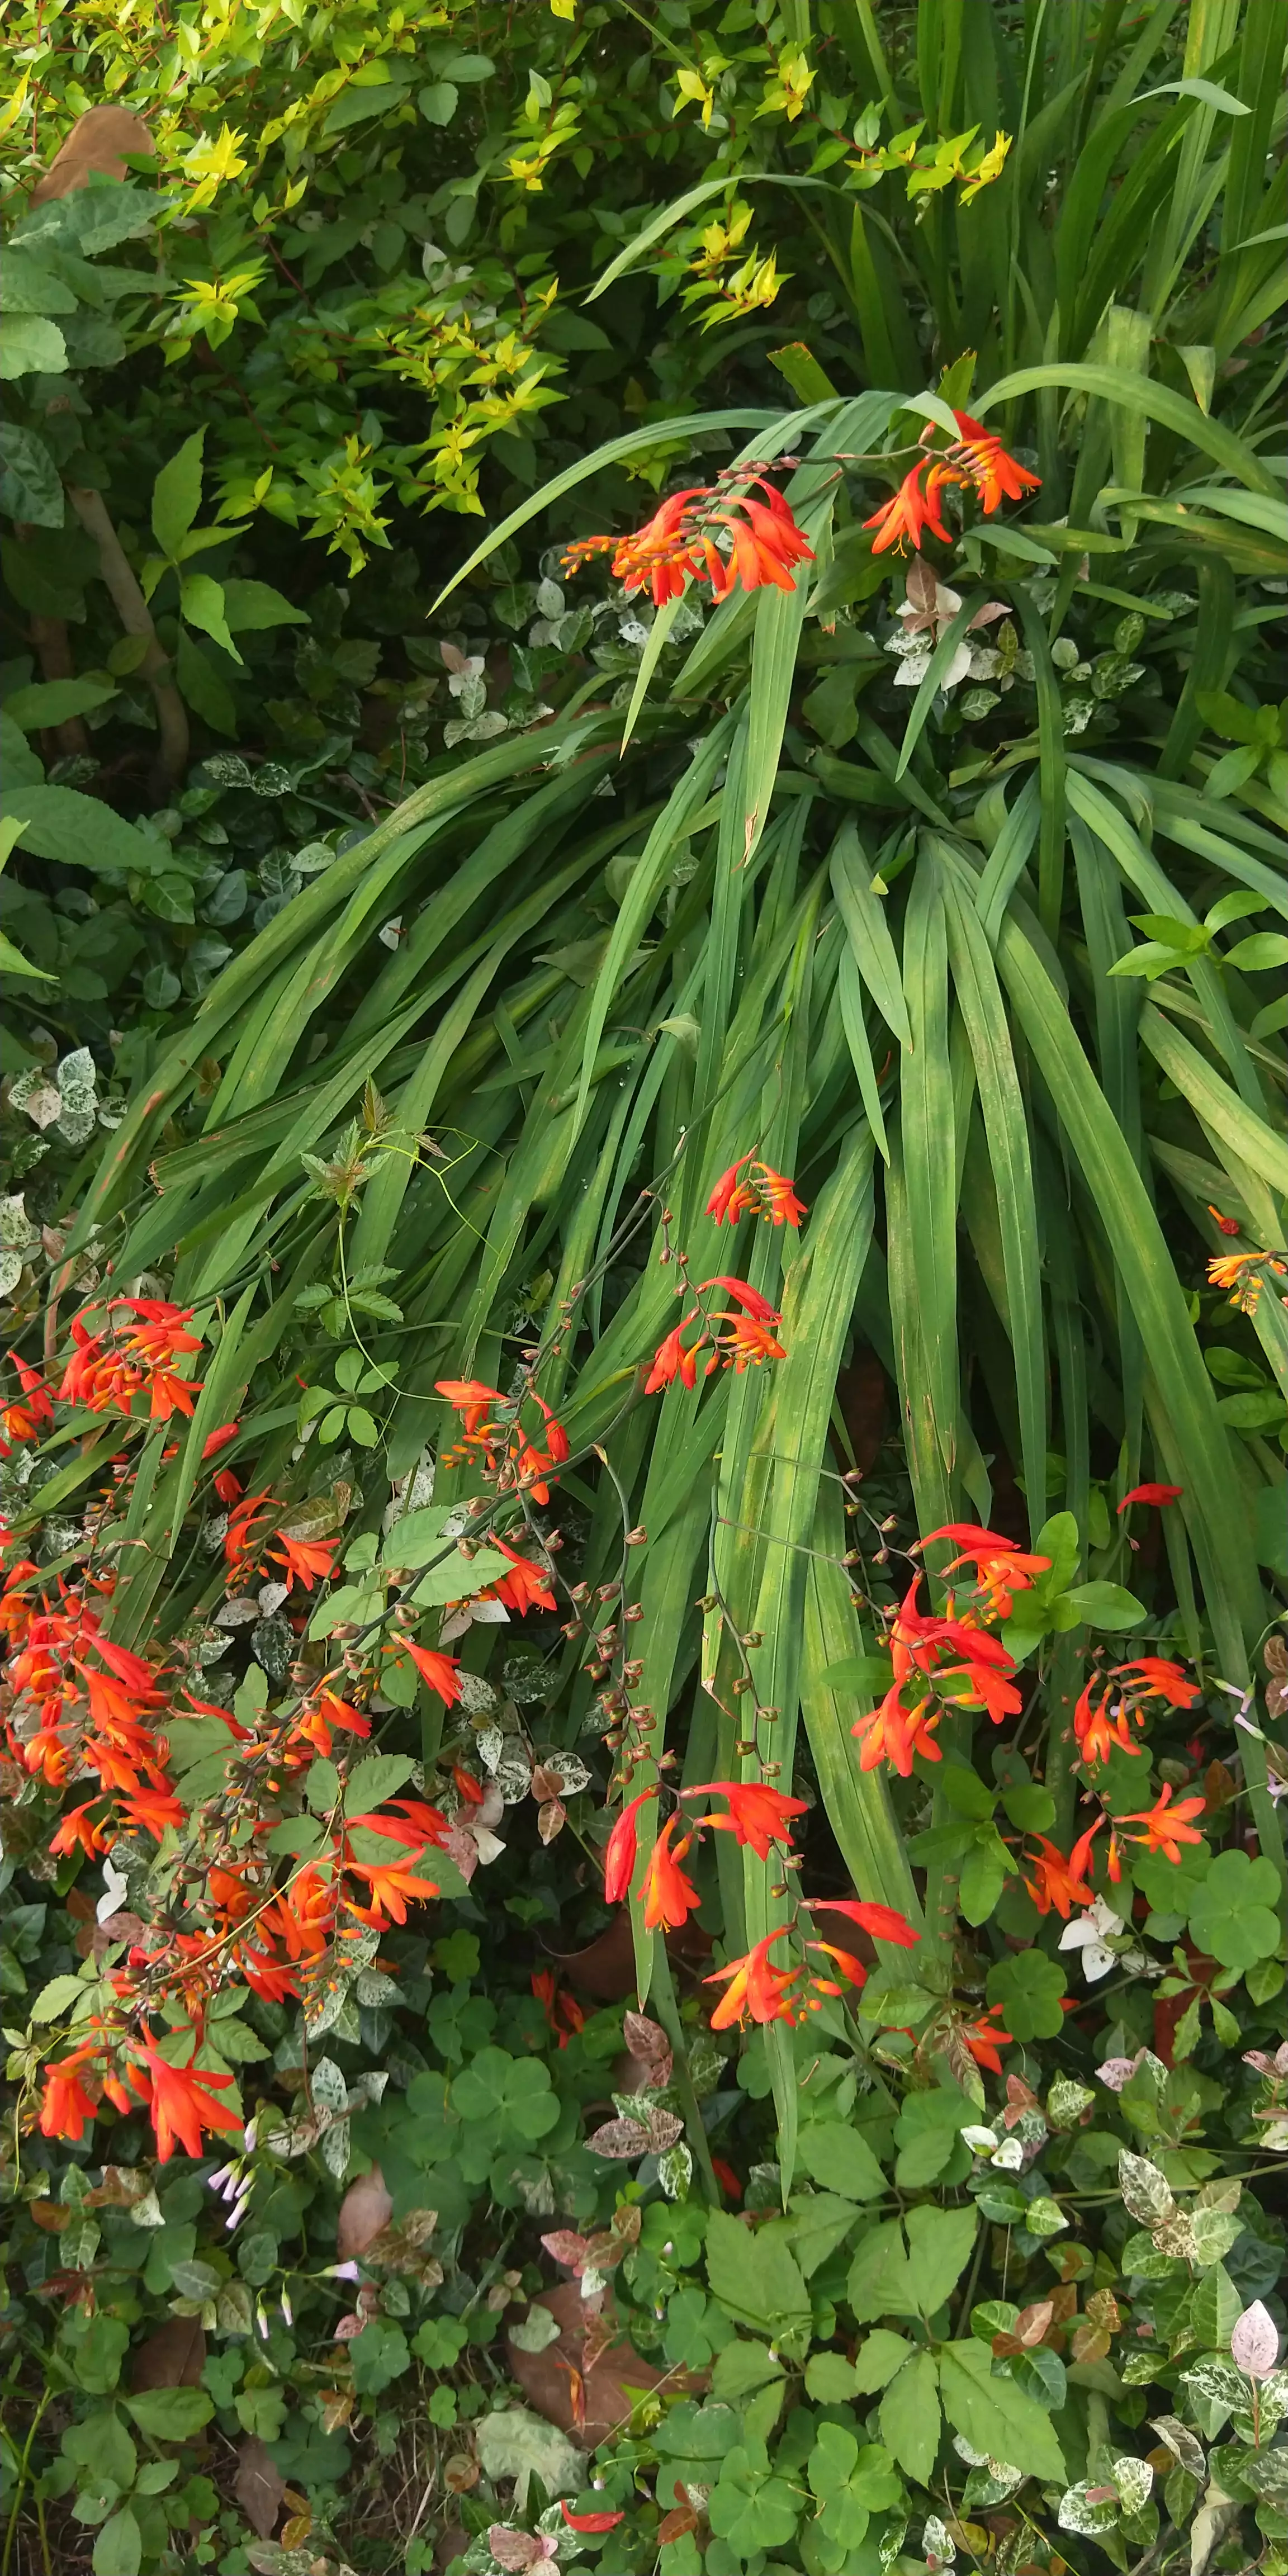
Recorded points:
(1181,2442)
(1088,2508)
(675,2171)
(335,2149)
(1133,2479)
(1066,2102)
(1214,2231)
(1146,2192)
(1254,2343)
(1218,2388)
(328,2087)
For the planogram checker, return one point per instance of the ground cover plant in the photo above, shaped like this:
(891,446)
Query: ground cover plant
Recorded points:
(643,1237)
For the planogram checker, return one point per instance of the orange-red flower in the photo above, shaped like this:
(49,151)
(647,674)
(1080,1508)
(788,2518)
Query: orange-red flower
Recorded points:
(758,1815)
(1160,1678)
(27,1416)
(471,1399)
(679,543)
(65,2105)
(138,1359)
(243,1543)
(183,2103)
(305,1560)
(1102,1715)
(755,1986)
(909,512)
(893,1733)
(217,1440)
(1059,1882)
(882,1922)
(1159,1494)
(731,1194)
(439,1671)
(984,2037)
(589,2521)
(669,1897)
(852,1970)
(324,1711)
(671,1359)
(620,1852)
(1166,1826)
(526,1586)
(152,1810)
(751,1299)
(79,1832)
(996,475)
(391,1888)
(747,1344)
(1243,1273)
(1001,1568)
(302,1916)
(764,1192)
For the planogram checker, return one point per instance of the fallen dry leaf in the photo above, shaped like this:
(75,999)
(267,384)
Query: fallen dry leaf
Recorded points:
(593,2360)
(97,143)
(173,2357)
(367,2206)
(259,2486)
(606,1967)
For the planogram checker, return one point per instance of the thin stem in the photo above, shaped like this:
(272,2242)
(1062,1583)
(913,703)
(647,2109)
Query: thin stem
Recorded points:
(136,618)
(662,1996)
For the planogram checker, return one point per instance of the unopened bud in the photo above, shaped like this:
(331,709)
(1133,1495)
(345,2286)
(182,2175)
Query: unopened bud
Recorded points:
(636,1537)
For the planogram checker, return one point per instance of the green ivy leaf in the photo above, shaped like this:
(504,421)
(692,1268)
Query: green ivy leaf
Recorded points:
(841,2159)
(755,2278)
(910,2419)
(1029,1988)
(171,2414)
(996,2416)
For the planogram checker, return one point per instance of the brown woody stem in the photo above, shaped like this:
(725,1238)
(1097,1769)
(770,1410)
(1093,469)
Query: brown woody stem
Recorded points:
(136,618)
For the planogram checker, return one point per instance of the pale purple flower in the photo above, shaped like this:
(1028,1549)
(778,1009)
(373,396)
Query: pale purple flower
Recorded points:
(342,2272)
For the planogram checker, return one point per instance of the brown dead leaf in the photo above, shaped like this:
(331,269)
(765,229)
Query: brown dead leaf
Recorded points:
(460,2473)
(259,2486)
(97,143)
(105,1936)
(552,1816)
(335,2405)
(172,2357)
(675,2524)
(606,1968)
(592,2349)
(366,2208)
(51,2215)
